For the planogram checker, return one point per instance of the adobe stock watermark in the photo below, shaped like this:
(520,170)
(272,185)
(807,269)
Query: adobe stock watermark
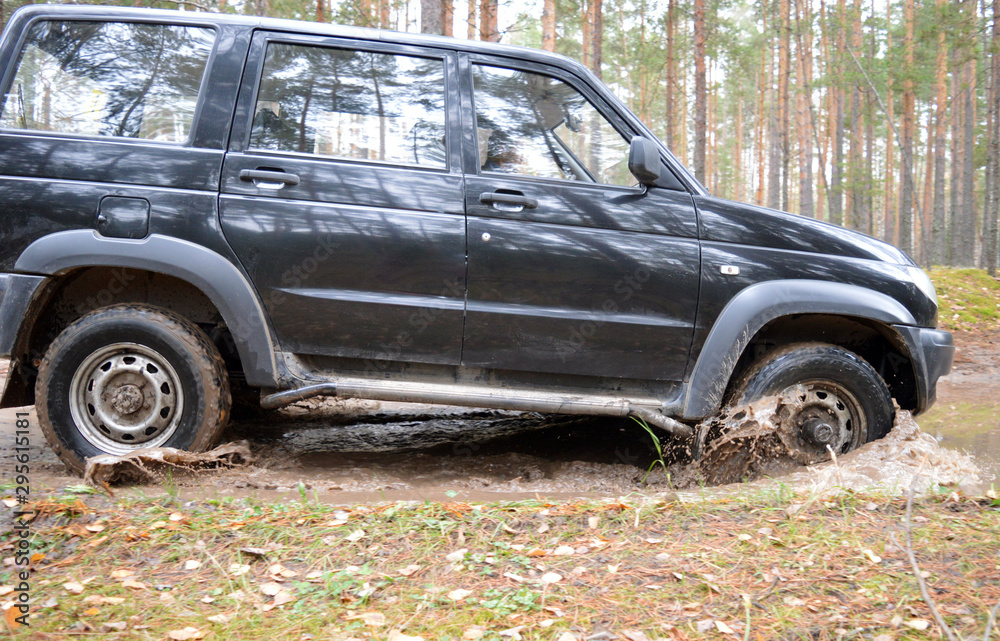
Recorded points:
(624,289)
(21,538)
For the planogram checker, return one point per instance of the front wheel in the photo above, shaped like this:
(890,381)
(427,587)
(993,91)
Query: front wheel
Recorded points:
(842,402)
(129,377)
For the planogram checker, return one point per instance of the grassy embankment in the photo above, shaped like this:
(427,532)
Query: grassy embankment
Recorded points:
(763,566)
(969,299)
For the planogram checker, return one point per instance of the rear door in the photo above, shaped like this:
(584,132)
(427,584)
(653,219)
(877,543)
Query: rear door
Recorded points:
(342,195)
(573,268)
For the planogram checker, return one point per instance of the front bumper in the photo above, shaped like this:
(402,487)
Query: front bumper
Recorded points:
(932,352)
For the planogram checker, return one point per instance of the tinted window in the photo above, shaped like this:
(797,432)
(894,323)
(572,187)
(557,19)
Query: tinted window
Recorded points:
(536,125)
(351,104)
(109,79)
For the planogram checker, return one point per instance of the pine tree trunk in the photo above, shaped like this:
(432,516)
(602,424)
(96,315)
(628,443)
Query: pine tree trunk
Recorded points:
(991,216)
(836,194)
(890,232)
(671,77)
(968,226)
(855,169)
(430,16)
(488,21)
(447,17)
(909,103)
(957,149)
(804,81)
(926,224)
(784,70)
(597,37)
(549,25)
(939,236)
(320,13)
(700,91)
(471,30)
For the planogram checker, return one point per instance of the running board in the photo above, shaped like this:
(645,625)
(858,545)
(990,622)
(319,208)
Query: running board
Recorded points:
(475,396)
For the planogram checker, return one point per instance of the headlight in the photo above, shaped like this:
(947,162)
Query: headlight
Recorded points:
(923,282)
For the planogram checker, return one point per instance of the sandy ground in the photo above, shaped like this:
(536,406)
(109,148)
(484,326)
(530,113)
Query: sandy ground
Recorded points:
(349,451)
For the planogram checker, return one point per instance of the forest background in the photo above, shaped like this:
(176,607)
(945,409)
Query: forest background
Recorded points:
(879,115)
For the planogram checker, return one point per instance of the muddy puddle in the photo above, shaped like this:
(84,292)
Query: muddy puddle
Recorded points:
(349,451)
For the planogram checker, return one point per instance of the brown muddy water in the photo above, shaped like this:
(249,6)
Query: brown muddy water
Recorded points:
(349,451)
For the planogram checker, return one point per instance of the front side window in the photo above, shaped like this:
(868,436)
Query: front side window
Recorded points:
(351,104)
(116,79)
(536,125)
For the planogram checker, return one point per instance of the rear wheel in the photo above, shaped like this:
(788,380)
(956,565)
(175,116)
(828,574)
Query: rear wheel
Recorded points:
(128,377)
(839,401)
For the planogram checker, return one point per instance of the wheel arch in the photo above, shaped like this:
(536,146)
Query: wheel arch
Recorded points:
(774,313)
(207,273)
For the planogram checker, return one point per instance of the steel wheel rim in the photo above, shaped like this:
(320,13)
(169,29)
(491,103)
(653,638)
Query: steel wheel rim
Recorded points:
(126,396)
(833,404)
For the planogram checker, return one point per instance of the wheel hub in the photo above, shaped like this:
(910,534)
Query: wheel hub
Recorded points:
(127,399)
(817,431)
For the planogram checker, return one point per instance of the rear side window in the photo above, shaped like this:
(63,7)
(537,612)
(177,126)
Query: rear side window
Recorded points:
(115,79)
(351,104)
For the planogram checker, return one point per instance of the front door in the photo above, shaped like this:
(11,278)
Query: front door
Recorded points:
(342,194)
(573,268)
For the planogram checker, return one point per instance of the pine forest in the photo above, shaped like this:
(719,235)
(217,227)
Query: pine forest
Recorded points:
(882,116)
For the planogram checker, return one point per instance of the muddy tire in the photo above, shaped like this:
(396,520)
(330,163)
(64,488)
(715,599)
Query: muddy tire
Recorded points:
(843,402)
(127,377)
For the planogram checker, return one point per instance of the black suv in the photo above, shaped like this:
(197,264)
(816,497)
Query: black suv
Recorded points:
(199,208)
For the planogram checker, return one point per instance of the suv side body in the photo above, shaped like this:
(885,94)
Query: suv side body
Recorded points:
(486,247)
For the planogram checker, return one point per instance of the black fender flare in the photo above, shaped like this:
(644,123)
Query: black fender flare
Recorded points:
(747,312)
(213,274)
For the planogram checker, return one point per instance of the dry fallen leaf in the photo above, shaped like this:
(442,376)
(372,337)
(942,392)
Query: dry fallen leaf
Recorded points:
(723,628)
(374,619)
(563,550)
(473,633)
(568,636)
(874,558)
(96,527)
(513,633)
(192,564)
(238,569)
(91,612)
(551,577)
(122,574)
(635,635)
(409,570)
(6,589)
(283,597)
(73,587)
(134,585)
(270,588)
(356,535)
(458,595)
(220,618)
(793,601)
(112,626)
(918,624)
(186,634)
(176,516)
(97,599)
(456,556)
(396,635)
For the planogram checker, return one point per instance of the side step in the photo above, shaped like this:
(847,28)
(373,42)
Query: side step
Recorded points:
(521,400)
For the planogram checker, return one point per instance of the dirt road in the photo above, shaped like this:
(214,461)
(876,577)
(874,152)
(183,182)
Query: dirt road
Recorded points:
(347,451)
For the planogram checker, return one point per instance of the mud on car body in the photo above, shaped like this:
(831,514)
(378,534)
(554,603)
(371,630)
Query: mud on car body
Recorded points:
(204,211)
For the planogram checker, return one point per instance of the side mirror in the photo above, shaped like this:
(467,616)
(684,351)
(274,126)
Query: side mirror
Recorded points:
(644,160)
